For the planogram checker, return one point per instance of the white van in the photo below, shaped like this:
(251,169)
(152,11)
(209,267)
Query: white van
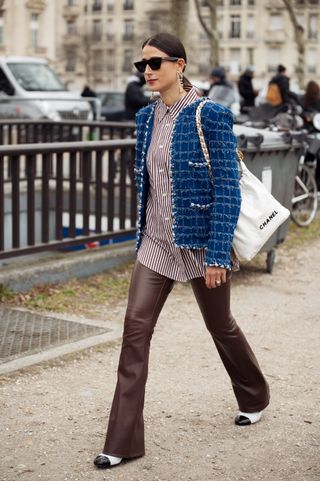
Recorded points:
(29,88)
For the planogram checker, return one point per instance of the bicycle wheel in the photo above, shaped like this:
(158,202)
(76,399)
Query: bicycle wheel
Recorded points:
(305,199)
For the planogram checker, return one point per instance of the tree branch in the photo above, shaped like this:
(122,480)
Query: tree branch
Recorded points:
(201,20)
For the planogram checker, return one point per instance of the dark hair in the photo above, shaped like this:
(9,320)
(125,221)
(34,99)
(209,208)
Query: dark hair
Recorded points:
(170,45)
(281,68)
(312,93)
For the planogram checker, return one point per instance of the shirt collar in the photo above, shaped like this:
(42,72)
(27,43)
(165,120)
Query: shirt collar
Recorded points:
(162,109)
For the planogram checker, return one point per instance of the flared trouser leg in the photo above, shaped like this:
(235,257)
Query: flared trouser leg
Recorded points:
(249,385)
(147,295)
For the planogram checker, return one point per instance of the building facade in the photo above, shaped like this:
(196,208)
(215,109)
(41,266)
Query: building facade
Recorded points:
(96,41)
(28,27)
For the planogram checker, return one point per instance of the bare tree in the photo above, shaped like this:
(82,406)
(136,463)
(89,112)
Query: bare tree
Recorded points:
(299,40)
(179,18)
(210,28)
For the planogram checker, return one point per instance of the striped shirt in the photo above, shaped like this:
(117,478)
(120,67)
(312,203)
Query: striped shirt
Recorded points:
(157,250)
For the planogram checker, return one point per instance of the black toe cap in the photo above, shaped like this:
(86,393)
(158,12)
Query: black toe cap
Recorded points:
(102,462)
(241,420)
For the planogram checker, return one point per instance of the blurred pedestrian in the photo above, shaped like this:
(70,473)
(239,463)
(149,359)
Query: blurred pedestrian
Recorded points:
(185,233)
(310,100)
(279,93)
(221,90)
(87,92)
(135,97)
(246,89)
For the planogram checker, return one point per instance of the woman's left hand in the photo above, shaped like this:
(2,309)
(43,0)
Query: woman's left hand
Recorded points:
(215,276)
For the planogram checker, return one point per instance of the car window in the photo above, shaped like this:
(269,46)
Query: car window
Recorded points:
(5,85)
(36,77)
(111,99)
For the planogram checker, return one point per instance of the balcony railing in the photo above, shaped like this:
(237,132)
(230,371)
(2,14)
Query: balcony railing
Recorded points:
(313,35)
(275,36)
(128,36)
(127,5)
(97,7)
(71,10)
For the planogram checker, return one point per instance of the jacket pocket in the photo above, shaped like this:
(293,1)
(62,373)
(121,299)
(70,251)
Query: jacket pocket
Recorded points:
(197,165)
(193,205)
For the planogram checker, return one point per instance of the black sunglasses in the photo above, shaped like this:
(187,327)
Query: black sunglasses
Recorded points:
(153,62)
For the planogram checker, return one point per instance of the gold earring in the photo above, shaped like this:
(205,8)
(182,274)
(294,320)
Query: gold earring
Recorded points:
(180,82)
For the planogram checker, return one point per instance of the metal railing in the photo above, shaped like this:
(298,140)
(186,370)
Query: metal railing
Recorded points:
(23,131)
(65,194)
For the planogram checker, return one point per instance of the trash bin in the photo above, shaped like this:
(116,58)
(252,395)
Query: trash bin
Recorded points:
(273,157)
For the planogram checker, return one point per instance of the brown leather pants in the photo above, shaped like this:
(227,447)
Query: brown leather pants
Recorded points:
(147,295)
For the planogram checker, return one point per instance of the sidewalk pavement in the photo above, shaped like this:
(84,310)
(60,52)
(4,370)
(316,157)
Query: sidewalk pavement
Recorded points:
(53,416)
(22,273)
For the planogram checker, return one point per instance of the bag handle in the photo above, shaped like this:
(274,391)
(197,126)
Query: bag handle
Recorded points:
(204,145)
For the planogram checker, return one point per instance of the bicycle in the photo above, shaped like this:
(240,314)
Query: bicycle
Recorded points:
(305,197)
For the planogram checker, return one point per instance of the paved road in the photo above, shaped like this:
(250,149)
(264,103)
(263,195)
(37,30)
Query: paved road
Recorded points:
(53,417)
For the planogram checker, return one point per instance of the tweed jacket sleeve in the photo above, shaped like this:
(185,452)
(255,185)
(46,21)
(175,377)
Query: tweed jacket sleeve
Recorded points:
(217,123)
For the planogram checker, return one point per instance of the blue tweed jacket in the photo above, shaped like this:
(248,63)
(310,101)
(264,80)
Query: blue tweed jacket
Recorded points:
(203,216)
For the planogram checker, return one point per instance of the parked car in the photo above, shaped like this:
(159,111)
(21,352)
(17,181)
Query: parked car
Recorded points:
(29,88)
(112,105)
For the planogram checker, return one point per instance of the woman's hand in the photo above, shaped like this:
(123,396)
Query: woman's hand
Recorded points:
(215,276)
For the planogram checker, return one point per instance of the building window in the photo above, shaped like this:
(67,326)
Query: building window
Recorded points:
(250,26)
(110,5)
(128,5)
(235,30)
(274,54)
(250,56)
(235,2)
(110,67)
(155,24)
(34,29)
(234,63)
(301,20)
(312,60)
(275,23)
(97,30)
(71,27)
(71,3)
(97,5)
(110,30)
(251,3)
(313,27)
(127,61)
(128,32)
(204,61)
(98,62)
(71,62)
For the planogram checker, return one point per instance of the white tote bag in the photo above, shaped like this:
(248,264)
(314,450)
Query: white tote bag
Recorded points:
(260,213)
(260,216)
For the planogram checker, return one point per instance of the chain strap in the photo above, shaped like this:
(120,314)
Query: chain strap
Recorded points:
(204,145)
(202,139)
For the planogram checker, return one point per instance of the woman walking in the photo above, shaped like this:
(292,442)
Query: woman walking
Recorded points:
(185,233)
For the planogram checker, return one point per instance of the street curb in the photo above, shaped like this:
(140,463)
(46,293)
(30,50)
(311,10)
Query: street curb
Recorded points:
(30,271)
